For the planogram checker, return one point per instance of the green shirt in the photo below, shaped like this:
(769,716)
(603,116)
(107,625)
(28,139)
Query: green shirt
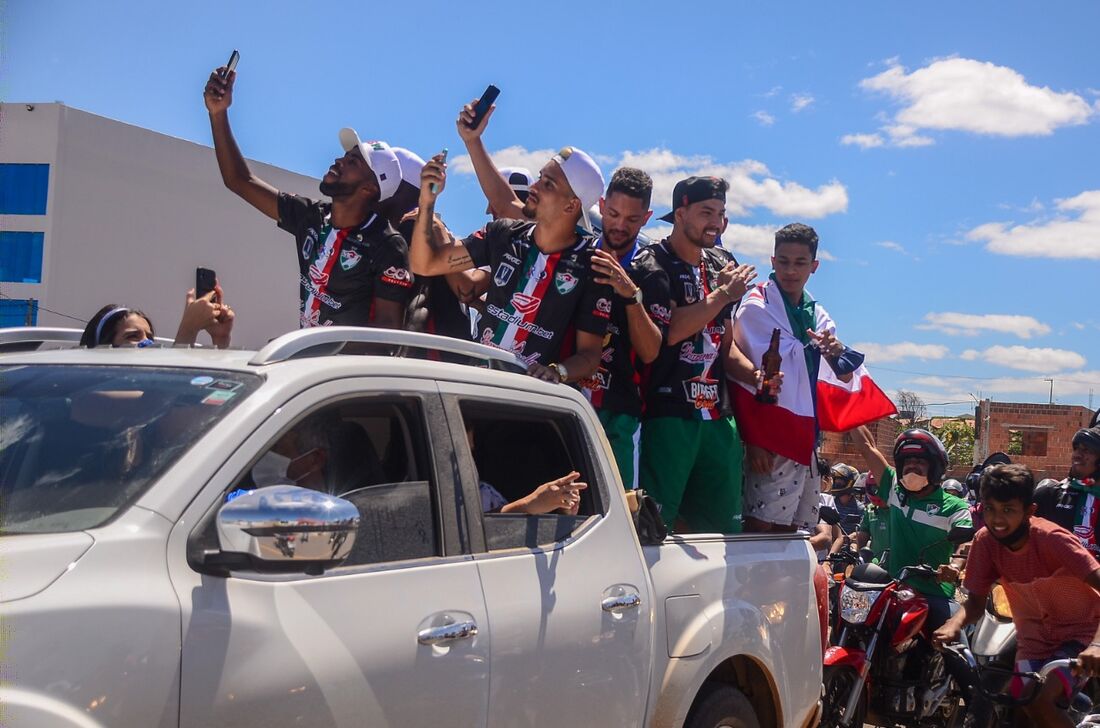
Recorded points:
(876,523)
(920,525)
(802,317)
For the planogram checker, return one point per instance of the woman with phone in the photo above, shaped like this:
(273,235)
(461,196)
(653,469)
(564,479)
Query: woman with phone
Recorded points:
(120,326)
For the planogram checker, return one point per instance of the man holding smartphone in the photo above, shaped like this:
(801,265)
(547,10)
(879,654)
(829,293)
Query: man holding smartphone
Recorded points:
(353,266)
(543,303)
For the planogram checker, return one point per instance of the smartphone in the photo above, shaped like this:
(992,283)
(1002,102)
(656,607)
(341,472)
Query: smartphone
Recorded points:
(444,153)
(481,108)
(205,280)
(231,64)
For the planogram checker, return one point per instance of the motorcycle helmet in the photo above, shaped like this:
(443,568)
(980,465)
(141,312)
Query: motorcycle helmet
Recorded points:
(844,479)
(954,487)
(918,443)
(1088,437)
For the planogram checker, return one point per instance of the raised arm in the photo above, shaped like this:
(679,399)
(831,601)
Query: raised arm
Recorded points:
(872,457)
(236,175)
(687,321)
(502,198)
(434,250)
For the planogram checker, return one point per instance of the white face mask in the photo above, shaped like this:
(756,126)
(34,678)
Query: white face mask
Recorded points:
(271,469)
(914,482)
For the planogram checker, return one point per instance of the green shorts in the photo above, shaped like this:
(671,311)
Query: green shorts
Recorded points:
(693,469)
(623,432)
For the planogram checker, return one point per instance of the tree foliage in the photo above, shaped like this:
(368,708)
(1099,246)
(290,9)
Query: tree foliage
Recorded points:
(911,408)
(958,437)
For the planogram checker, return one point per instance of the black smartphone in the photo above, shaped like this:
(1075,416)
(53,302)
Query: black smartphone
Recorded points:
(481,108)
(231,64)
(205,280)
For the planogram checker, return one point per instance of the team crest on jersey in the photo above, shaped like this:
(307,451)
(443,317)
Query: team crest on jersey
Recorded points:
(565,281)
(525,304)
(503,274)
(932,510)
(349,258)
(689,293)
(599,381)
(309,243)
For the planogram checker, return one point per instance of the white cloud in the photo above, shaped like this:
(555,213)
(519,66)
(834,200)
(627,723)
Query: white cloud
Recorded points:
(1073,233)
(967,95)
(879,353)
(774,91)
(514,156)
(764,118)
(800,102)
(970,355)
(863,141)
(1028,359)
(891,245)
(967,324)
(1075,384)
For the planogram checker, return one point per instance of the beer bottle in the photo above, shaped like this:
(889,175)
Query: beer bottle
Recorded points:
(769,365)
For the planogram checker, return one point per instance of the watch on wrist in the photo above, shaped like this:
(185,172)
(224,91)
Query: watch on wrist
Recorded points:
(633,298)
(561,371)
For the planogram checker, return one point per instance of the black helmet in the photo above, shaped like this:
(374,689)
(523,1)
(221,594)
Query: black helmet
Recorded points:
(918,443)
(997,458)
(1088,437)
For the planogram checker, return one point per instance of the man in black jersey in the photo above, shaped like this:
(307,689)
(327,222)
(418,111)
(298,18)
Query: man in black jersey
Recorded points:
(543,303)
(353,266)
(1074,503)
(690,452)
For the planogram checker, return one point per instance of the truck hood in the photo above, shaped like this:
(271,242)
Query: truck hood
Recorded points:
(32,562)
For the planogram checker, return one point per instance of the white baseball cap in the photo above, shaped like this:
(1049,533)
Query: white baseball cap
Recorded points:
(584,176)
(379,157)
(411,165)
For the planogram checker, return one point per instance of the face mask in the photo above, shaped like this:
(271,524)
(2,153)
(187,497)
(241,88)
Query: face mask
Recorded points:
(1015,535)
(914,482)
(271,469)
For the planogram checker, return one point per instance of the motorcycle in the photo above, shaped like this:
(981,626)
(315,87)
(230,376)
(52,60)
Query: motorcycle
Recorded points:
(883,670)
(992,704)
(841,563)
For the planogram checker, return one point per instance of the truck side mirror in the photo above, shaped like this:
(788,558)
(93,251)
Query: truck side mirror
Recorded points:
(287,526)
(829,515)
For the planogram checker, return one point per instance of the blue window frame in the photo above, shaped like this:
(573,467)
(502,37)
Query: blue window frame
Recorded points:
(13,312)
(21,257)
(23,188)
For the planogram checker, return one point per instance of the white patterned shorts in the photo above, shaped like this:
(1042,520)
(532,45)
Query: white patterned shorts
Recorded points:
(788,495)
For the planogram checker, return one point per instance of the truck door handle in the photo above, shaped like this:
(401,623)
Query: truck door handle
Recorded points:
(447,633)
(621,603)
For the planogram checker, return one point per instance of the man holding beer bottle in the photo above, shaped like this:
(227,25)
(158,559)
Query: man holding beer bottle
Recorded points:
(781,326)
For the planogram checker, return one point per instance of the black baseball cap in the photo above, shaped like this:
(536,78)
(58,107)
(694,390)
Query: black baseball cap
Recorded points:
(696,189)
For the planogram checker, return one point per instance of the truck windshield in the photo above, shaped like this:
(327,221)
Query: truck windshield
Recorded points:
(78,444)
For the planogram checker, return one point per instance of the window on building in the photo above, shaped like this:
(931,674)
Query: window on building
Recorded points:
(18,312)
(21,257)
(23,188)
(1034,443)
(1015,443)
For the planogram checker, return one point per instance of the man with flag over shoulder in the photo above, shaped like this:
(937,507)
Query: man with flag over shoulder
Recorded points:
(781,487)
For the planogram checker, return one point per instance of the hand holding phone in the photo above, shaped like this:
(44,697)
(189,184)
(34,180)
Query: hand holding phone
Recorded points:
(443,154)
(231,64)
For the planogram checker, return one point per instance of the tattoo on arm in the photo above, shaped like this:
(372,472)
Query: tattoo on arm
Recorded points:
(459,261)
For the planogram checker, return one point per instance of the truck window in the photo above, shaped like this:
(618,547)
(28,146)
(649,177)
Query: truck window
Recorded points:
(373,453)
(517,450)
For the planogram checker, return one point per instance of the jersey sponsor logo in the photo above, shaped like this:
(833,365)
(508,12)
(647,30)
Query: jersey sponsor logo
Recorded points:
(701,392)
(714,329)
(512,259)
(517,321)
(350,258)
(688,354)
(539,272)
(1084,532)
(600,380)
(308,319)
(565,281)
(503,274)
(689,293)
(309,243)
(320,295)
(603,308)
(607,354)
(660,313)
(525,304)
(397,276)
(318,276)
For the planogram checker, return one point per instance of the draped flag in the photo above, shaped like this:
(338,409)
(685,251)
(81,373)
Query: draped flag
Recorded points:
(789,428)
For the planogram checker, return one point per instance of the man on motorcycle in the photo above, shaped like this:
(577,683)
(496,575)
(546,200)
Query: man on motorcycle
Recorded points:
(874,528)
(1074,503)
(1051,582)
(920,513)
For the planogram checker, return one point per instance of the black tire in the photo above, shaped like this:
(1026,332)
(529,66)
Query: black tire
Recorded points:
(838,682)
(721,706)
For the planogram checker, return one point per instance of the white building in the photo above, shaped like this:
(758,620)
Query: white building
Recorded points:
(94,211)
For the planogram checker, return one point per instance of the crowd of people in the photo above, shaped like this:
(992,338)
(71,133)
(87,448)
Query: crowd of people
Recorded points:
(669,341)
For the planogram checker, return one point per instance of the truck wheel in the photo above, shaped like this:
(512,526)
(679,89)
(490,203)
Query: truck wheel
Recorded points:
(721,706)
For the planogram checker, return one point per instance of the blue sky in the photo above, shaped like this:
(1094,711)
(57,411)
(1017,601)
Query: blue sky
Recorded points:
(947,156)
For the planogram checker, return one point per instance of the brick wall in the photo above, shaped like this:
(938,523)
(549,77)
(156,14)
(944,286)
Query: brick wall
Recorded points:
(837,447)
(1045,431)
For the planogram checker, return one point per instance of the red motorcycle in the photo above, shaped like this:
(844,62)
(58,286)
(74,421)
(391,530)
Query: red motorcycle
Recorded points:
(883,670)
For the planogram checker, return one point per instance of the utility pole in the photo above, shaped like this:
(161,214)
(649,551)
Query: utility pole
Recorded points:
(1051,389)
(28,317)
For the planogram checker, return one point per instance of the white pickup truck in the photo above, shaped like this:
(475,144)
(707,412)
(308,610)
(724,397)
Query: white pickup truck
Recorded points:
(151,577)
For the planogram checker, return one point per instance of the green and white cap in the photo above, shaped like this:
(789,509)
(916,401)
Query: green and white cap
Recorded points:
(379,157)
